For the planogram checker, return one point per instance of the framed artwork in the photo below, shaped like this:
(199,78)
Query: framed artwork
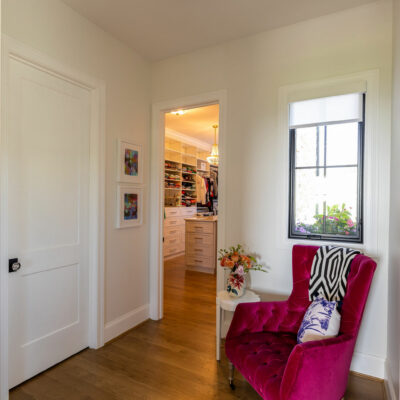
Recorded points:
(130,206)
(130,162)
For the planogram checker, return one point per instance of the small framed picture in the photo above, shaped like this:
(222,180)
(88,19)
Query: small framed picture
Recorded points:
(130,162)
(129,206)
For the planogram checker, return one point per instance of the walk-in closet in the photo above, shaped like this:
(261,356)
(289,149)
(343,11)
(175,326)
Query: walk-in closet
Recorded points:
(191,188)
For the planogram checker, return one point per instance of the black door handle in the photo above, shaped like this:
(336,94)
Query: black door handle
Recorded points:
(13,265)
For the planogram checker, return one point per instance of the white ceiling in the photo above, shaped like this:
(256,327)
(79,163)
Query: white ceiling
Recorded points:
(196,123)
(159,29)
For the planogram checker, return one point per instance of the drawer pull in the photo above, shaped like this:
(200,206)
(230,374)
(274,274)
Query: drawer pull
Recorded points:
(199,238)
(199,261)
(198,249)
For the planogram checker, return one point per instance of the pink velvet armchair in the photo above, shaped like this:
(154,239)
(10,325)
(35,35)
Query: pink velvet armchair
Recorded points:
(262,340)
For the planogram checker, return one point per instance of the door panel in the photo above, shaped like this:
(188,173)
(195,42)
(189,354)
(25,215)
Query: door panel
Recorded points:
(48,128)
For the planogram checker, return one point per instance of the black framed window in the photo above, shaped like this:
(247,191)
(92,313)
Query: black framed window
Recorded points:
(326,176)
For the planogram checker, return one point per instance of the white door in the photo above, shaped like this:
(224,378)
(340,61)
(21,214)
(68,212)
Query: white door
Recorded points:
(47,125)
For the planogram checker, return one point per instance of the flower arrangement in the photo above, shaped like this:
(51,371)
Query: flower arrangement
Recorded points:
(239,264)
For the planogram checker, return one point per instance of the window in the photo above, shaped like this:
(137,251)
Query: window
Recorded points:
(326,168)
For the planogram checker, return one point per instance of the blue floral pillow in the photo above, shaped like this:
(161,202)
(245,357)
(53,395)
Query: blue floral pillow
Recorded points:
(321,321)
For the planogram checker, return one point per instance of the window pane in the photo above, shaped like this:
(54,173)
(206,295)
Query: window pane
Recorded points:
(326,204)
(308,201)
(342,144)
(307,146)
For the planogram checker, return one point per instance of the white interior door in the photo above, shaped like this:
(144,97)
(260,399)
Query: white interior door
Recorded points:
(48,126)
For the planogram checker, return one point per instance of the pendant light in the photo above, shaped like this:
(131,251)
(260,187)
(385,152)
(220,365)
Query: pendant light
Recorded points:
(213,159)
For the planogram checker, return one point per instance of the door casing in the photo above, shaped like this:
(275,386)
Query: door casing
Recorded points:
(12,49)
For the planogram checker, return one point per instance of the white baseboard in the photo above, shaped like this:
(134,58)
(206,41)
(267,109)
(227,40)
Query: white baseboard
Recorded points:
(368,365)
(389,385)
(125,322)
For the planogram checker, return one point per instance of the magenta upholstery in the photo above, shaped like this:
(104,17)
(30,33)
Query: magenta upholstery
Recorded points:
(261,341)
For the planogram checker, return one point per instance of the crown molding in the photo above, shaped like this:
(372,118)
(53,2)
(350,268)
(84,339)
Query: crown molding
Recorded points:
(172,134)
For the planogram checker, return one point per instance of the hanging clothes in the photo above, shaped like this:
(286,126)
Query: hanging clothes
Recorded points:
(214,179)
(201,189)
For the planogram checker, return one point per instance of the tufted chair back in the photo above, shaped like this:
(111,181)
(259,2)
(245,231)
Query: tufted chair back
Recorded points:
(358,284)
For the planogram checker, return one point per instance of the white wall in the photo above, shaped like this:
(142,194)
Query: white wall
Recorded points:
(252,70)
(394,248)
(51,27)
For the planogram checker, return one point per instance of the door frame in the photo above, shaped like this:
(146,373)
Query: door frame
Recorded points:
(157,188)
(15,50)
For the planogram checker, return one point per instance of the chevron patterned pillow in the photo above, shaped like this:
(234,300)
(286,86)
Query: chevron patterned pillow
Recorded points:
(321,321)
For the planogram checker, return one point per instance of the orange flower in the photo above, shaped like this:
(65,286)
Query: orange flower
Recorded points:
(246,260)
(229,263)
(235,258)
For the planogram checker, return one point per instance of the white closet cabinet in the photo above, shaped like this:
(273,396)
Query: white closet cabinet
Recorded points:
(174,230)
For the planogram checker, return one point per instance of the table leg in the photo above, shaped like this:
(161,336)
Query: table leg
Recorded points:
(218,333)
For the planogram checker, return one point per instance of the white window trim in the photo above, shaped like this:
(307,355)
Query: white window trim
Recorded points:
(367,82)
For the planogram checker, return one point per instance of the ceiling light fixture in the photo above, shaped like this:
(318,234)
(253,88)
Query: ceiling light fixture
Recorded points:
(213,159)
(178,112)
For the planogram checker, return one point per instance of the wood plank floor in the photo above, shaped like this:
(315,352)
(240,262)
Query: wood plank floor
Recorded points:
(171,359)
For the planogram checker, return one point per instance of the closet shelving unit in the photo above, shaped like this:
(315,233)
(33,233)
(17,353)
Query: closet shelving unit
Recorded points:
(182,162)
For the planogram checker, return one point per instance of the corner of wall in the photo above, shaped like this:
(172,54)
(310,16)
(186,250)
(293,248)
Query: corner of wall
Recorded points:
(125,322)
(389,383)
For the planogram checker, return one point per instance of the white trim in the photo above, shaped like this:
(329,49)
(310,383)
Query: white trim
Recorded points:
(389,384)
(157,192)
(125,322)
(369,81)
(12,49)
(368,365)
(3,244)
(170,133)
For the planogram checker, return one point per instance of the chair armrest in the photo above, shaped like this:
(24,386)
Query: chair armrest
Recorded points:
(275,316)
(318,369)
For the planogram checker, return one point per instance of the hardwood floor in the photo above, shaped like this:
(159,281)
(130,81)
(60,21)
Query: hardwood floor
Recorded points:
(172,359)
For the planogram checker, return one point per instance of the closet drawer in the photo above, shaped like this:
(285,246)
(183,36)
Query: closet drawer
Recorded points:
(200,239)
(172,212)
(199,227)
(174,221)
(173,231)
(199,250)
(173,241)
(172,249)
(197,261)
(188,211)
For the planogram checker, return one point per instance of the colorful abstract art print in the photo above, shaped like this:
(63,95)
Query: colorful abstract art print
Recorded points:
(130,163)
(130,206)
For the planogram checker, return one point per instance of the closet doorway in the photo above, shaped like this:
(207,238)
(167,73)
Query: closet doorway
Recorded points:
(190,225)
(157,189)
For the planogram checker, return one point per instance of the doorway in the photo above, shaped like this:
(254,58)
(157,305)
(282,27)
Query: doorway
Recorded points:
(191,160)
(158,187)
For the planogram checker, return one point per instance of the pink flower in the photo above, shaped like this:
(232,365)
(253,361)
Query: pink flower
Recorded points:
(240,270)
(350,223)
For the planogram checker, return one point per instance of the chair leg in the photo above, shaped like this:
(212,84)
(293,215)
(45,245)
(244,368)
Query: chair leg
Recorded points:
(231,373)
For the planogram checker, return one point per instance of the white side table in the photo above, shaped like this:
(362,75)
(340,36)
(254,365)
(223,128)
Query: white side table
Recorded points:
(228,303)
